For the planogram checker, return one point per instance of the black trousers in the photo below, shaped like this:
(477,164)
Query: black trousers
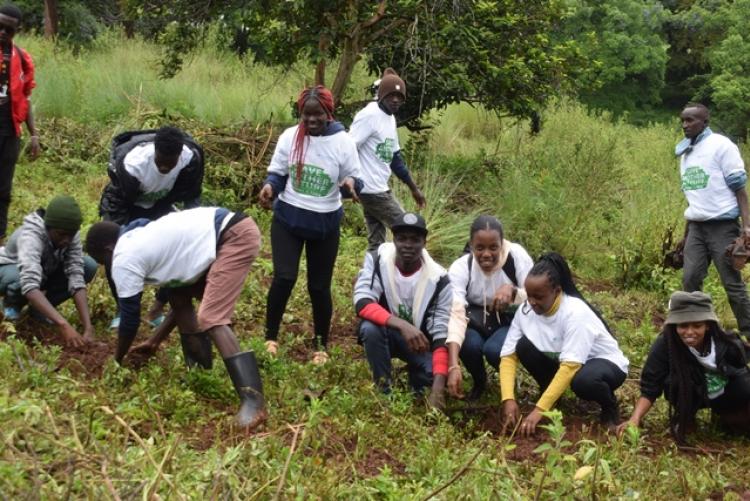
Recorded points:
(10,147)
(596,380)
(286,248)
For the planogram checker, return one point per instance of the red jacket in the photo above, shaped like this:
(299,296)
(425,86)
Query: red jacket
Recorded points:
(21,81)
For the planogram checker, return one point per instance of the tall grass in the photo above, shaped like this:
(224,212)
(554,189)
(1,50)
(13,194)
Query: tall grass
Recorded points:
(117,78)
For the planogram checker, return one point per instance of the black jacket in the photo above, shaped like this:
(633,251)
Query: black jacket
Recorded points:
(731,361)
(120,194)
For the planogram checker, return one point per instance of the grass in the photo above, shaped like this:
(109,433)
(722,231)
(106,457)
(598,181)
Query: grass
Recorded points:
(602,192)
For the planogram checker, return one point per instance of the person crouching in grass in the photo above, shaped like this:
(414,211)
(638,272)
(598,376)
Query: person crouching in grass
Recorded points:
(404,298)
(43,265)
(202,253)
(562,342)
(695,364)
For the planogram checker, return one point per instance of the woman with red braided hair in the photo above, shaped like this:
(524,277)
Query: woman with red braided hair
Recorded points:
(314,164)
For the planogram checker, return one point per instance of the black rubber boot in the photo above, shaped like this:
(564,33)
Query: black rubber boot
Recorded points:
(243,370)
(610,416)
(197,349)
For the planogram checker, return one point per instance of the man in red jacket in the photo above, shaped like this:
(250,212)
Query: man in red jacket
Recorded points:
(16,82)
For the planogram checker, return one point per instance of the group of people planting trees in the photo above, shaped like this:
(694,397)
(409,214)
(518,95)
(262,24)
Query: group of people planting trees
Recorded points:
(493,304)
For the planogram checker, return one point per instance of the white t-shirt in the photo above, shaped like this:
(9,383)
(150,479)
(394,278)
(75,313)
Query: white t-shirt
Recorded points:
(715,382)
(174,250)
(703,171)
(406,288)
(573,334)
(374,131)
(139,163)
(328,160)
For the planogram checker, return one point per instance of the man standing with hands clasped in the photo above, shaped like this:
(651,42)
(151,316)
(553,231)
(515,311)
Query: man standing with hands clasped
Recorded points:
(714,182)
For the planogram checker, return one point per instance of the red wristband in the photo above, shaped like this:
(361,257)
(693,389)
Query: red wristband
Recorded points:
(375,314)
(440,361)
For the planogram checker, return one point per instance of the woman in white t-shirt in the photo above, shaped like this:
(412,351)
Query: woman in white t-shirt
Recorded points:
(487,287)
(314,163)
(562,342)
(695,364)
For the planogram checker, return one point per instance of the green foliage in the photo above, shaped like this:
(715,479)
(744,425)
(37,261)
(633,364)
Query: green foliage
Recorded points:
(497,53)
(624,41)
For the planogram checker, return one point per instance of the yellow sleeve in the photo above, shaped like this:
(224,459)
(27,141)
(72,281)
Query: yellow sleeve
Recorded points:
(508,368)
(558,385)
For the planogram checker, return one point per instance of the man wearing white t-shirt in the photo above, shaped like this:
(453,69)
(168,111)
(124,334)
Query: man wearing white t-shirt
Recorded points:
(404,298)
(374,131)
(714,182)
(149,172)
(202,253)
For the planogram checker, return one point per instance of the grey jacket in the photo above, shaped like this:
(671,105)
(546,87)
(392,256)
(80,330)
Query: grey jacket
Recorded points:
(30,248)
(430,314)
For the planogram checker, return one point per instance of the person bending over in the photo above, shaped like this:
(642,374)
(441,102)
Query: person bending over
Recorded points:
(403,298)
(43,265)
(487,287)
(149,171)
(201,253)
(562,342)
(695,364)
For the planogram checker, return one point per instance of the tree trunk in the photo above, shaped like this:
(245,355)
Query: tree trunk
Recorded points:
(320,69)
(349,58)
(50,18)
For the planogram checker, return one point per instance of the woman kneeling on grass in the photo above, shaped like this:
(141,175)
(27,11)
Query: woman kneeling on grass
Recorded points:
(487,287)
(562,342)
(696,365)
(312,162)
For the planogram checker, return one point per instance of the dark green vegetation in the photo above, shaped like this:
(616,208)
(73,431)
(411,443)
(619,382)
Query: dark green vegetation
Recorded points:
(600,191)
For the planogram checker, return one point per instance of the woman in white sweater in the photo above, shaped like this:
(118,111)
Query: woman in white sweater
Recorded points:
(487,287)
(313,164)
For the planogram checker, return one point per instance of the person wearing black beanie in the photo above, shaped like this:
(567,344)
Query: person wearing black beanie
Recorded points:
(43,264)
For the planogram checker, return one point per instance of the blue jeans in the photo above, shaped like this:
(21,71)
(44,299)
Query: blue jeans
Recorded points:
(475,347)
(55,286)
(382,344)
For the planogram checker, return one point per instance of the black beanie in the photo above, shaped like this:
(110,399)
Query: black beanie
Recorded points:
(391,83)
(63,213)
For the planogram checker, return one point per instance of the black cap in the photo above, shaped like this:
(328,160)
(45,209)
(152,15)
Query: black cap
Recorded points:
(409,221)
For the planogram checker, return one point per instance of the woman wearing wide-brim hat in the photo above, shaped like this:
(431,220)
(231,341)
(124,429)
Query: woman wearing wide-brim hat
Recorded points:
(695,364)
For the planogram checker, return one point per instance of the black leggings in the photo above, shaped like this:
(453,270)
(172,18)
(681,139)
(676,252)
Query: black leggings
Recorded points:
(286,248)
(596,380)
(10,146)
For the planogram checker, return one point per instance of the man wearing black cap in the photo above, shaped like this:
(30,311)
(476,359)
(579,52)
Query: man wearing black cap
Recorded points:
(403,298)
(374,131)
(43,265)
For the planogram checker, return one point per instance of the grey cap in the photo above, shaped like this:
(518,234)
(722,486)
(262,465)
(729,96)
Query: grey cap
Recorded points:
(687,307)
(409,221)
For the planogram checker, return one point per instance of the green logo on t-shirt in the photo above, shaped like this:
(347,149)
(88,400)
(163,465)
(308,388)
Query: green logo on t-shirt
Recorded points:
(405,313)
(715,384)
(384,150)
(153,196)
(694,178)
(314,182)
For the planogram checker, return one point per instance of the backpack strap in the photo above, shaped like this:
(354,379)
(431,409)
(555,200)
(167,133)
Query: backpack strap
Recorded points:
(375,267)
(441,284)
(510,269)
